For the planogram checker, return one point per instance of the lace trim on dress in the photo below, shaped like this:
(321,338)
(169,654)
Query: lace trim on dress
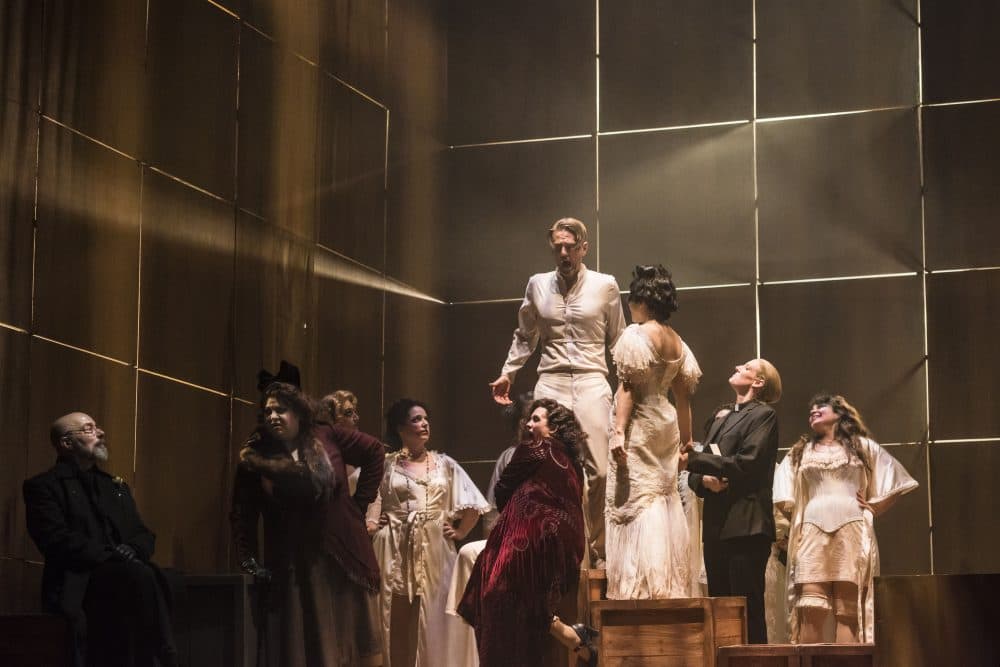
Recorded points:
(690,370)
(828,459)
(633,353)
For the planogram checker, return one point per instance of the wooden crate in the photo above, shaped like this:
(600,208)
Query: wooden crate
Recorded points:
(759,655)
(837,655)
(796,655)
(683,632)
(594,583)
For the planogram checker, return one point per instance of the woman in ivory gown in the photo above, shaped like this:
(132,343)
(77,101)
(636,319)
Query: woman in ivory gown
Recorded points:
(647,534)
(832,485)
(423,494)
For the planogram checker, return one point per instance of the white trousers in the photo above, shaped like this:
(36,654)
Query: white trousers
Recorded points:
(588,395)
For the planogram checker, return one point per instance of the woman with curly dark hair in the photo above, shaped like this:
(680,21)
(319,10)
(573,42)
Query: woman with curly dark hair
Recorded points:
(532,556)
(831,485)
(319,606)
(647,535)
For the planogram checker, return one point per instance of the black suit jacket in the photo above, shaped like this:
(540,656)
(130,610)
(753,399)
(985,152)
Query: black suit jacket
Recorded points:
(69,530)
(748,444)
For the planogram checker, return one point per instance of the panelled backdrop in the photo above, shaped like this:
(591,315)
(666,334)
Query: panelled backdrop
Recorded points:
(191,190)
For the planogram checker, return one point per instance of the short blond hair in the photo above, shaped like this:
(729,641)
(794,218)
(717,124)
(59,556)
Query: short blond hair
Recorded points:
(771,391)
(332,405)
(571,225)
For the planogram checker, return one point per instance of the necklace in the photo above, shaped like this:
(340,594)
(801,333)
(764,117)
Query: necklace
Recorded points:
(406,463)
(407,455)
(556,461)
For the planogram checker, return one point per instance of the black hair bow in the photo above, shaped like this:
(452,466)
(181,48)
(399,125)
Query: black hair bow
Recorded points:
(288,373)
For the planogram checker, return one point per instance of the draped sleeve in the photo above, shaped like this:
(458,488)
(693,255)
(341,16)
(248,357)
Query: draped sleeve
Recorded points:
(889,477)
(783,491)
(633,354)
(464,492)
(690,371)
(525,461)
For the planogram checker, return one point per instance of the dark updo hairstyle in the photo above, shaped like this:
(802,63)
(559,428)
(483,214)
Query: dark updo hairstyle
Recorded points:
(295,400)
(653,286)
(564,427)
(397,415)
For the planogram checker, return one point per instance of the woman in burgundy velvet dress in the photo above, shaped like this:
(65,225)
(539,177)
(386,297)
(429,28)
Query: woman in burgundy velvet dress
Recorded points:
(532,556)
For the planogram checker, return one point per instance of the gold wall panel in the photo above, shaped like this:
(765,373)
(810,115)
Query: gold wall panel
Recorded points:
(858,338)
(839,196)
(962,332)
(966,535)
(21,51)
(187,283)
(95,58)
(520,70)
(835,55)
(503,200)
(190,112)
(351,165)
(348,339)
(86,245)
(417,355)
(416,207)
(18,140)
(675,62)
(479,336)
(183,473)
(683,199)
(274,302)
(962,201)
(719,327)
(959,46)
(278,145)
(14,368)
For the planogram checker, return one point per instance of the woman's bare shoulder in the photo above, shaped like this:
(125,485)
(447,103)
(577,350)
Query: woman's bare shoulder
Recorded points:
(668,342)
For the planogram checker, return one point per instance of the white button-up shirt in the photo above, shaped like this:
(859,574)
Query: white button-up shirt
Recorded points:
(575,331)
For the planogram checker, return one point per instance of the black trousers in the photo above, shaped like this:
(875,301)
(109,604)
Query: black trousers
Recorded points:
(127,617)
(736,567)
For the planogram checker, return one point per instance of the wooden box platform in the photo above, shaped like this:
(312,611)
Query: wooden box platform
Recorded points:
(683,632)
(797,655)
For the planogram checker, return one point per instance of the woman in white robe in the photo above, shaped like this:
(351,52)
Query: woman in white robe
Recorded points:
(831,485)
(423,493)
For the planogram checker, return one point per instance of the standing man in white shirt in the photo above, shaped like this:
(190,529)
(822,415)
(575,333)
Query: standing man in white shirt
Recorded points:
(575,314)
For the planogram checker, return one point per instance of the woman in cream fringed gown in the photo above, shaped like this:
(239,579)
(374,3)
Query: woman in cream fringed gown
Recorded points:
(831,485)
(647,535)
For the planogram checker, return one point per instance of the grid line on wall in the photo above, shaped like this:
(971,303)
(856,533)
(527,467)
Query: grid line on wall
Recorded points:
(928,434)
(756,191)
(597,130)
(921,388)
(40,115)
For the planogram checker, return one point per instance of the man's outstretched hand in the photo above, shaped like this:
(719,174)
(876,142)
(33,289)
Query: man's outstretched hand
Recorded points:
(501,390)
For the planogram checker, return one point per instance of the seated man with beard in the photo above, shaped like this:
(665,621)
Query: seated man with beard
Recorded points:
(97,553)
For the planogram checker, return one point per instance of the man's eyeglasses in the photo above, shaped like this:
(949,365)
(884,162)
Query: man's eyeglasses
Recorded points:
(89,429)
(568,247)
